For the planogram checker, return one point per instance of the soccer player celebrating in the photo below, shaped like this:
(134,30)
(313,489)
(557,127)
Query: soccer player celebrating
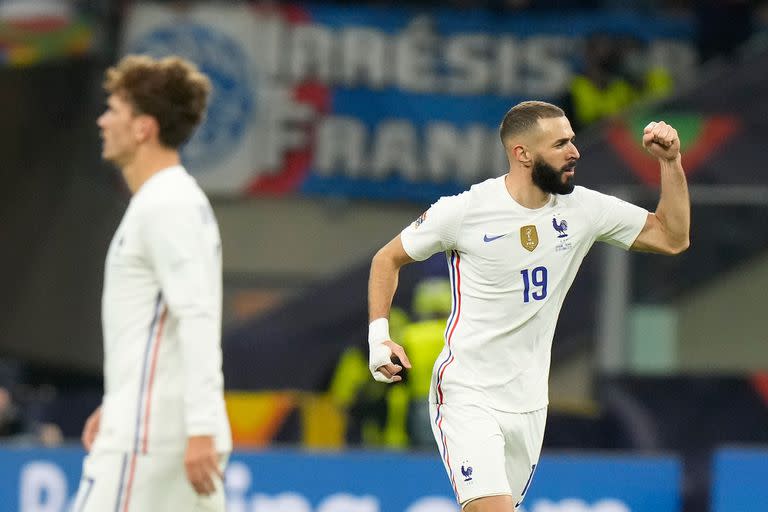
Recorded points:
(160,438)
(513,245)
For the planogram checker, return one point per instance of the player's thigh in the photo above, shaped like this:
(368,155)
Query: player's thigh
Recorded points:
(471,445)
(523,436)
(160,483)
(100,482)
(503,503)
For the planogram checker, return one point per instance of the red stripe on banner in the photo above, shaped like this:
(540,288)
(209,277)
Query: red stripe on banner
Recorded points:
(297,162)
(130,482)
(715,131)
(152,379)
(760,383)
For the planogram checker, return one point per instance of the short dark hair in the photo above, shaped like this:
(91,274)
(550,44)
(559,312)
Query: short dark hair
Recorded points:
(171,89)
(525,115)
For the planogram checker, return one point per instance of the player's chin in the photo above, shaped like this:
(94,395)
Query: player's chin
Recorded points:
(567,186)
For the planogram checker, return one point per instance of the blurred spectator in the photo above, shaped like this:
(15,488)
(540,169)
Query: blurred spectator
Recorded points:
(616,74)
(423,340)
(366,401)
(396,416)
(16,401)
(11,423)
(10,417)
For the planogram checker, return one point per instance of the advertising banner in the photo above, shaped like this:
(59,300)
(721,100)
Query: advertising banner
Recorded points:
(375,102)
(739,480)
(38,480)
(34,32)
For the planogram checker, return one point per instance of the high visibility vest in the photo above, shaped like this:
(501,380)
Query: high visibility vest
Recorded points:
(591,103)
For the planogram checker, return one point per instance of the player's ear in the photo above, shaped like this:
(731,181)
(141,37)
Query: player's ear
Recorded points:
(522,154)
(145,127)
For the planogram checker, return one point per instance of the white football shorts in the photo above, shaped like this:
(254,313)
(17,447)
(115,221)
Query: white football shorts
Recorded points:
(128,482)
(488,452)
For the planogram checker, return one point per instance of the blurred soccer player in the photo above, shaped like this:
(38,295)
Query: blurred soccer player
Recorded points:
(160,438)
(514,245)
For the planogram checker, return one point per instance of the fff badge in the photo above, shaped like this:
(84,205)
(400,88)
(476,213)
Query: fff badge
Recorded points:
(529,237)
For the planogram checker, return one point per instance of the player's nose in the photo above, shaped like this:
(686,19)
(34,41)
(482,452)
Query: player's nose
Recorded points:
(574,153)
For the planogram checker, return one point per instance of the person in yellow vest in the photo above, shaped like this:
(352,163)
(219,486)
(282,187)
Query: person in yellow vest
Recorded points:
(616,75)
(365,402)
(423,339)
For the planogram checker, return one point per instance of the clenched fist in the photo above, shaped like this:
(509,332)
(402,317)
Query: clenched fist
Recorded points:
(661,140)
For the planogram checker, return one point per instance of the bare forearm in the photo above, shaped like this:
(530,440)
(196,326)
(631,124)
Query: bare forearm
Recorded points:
(674,208)
(382,285)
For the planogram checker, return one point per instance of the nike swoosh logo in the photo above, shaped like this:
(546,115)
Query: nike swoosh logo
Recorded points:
(487,238)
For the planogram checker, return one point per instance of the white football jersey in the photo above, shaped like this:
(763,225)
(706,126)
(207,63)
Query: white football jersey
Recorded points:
(161,315)
(510,269)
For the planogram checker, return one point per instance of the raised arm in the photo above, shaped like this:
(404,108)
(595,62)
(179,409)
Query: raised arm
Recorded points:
(666,231)
(382,284)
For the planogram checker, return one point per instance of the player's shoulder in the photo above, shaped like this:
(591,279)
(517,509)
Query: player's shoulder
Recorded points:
(456,201)
(171,188)
(484,193)
(489,187)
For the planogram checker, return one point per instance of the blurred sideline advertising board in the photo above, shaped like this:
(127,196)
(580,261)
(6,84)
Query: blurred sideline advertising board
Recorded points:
(376,102)
(37,480)
(740,480)
(36,31)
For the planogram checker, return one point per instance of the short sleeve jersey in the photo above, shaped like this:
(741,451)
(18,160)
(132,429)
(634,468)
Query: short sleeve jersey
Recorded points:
(510,269)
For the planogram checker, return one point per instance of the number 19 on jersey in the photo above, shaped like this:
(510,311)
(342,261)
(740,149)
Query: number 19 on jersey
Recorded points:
(537,278)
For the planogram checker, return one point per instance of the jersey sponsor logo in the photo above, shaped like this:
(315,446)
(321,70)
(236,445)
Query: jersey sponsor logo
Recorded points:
(560,227)
(529,237)
(491,238)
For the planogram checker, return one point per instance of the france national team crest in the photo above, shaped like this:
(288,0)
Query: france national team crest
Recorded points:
(529,237)
(466,471)
(563,242)
(560,227)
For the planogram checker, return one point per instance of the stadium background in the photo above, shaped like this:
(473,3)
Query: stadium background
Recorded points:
(333,125)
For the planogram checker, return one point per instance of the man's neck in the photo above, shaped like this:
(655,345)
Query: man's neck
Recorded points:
(146,164)
(522,189)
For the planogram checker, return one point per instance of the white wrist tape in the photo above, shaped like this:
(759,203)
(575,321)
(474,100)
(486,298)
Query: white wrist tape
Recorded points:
(378,331)
(379,354)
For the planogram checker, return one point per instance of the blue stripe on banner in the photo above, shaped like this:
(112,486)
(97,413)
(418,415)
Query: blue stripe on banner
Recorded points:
(120,489)
(144,369)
